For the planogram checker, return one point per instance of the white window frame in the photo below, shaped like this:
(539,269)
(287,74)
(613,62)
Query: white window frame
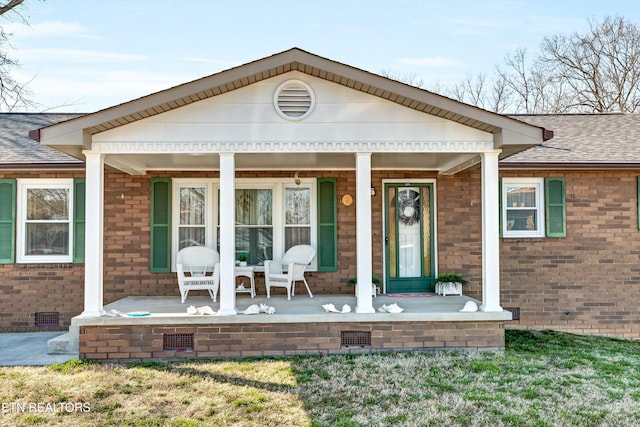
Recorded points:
(538,184)
(21,213)
(312,212)
(177,184)
(212,185)
(256,184)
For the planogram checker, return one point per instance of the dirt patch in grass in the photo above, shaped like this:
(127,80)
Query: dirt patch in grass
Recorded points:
(542,379)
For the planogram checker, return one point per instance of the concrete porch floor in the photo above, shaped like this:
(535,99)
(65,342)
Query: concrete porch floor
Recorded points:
(299,326)
(301,308)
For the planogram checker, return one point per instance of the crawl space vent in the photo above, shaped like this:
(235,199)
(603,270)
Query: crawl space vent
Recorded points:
(355,339)
(515,312)
(47,319)
(294,100)
(177,342)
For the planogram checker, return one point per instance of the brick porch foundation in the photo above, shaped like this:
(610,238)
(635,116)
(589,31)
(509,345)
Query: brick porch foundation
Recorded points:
(122,343)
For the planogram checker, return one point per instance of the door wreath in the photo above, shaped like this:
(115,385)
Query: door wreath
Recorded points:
(409,207)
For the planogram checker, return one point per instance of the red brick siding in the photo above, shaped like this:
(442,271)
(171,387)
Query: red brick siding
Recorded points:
(126,343)
(29,288)
(588,282)
(460,229)
(593,274)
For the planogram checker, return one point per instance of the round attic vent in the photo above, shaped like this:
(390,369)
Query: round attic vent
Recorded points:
(294,100)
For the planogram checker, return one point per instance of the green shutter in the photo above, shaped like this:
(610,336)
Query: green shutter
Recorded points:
(79,194)
(500,206)
(160,225)
(327,225)
(7,220)
(555,207)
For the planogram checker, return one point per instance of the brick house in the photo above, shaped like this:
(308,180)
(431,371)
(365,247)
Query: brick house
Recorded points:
(529,218)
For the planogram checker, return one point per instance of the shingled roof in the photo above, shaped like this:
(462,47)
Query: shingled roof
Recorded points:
(17,150)
(583,140)
(580,140)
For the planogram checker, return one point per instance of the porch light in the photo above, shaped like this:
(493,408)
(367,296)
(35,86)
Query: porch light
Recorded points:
(373,191)
(296,179)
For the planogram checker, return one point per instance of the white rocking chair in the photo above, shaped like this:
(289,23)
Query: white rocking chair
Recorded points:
(296,259)
(198,269)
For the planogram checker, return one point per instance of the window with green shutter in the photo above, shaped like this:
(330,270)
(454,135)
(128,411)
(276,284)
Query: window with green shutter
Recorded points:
(532,207)
(7,220)
(44,220)
(271,216)
(522,207)
(327,225)
(555,207)
(160,225)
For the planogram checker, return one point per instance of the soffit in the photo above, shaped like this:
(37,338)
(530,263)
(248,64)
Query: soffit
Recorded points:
(285,161)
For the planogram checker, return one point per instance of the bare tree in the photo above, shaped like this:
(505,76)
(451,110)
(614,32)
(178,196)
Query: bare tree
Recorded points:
(531,88)
(9,6)
(500,98)
(13,94)
(471,90)
(408,78)
(595,72)
(602,67)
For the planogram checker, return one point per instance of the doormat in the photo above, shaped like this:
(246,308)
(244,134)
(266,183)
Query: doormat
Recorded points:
(410,295)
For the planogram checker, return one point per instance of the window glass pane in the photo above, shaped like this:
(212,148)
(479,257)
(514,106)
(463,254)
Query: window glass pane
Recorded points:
(408,226)
(256,241)
(426,231)
(391,229)
(47,239)
(192,206)
(191,236)
(518,196)
(298,206)
(296,236)
(48,204)
(522,219)
(253,207)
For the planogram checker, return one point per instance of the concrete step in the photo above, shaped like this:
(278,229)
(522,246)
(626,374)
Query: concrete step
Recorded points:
(66,343)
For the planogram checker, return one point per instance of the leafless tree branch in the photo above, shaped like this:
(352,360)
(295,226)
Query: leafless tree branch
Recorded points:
(598,71)
(13,94)
(10,5)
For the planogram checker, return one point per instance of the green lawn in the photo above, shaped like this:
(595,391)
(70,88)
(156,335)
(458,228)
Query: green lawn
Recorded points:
(543,379)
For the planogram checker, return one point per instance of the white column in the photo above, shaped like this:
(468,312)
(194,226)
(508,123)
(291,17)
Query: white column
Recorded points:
(490,234)
(227,234)
(93,259)
(364,299)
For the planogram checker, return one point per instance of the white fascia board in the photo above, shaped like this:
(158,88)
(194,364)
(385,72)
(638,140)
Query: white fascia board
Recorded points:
(54,136)
(523,136)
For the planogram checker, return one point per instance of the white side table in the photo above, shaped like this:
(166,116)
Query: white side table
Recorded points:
(246,272)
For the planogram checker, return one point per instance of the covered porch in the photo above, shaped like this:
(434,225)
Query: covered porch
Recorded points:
(289,114)
(299,326)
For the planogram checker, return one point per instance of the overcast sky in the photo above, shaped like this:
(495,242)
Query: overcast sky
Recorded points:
(86,55)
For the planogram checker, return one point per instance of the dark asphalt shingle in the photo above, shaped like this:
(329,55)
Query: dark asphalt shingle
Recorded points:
(578,138)
(584,138)
(16,148)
